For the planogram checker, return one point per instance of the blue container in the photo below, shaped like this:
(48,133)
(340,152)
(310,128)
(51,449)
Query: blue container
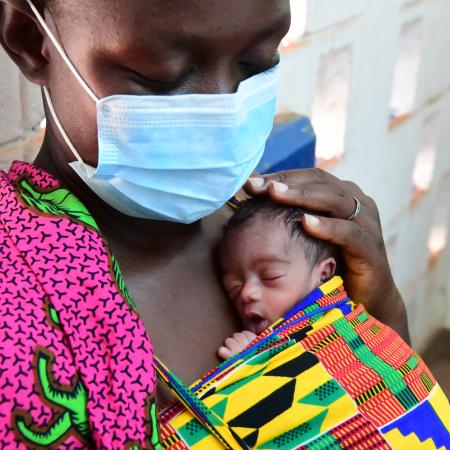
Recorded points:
(291,145)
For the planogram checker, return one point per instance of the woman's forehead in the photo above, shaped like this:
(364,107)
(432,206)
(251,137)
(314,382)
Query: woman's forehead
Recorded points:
(199,18)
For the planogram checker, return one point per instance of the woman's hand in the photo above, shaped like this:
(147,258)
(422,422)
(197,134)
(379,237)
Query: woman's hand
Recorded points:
(368,277)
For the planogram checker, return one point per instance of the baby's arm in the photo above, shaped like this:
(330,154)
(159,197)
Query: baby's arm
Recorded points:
(236,344)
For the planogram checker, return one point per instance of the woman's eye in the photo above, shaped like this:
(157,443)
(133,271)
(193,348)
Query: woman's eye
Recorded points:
(164,85)
(254,69)
(159,85)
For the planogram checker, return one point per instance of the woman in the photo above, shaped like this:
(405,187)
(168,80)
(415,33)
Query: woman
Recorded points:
(85,386)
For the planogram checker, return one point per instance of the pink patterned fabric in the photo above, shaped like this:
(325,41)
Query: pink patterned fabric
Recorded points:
(75,360)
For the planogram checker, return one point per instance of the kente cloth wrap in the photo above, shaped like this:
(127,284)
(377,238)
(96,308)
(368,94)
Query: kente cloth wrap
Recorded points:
(75,360)
(326,376)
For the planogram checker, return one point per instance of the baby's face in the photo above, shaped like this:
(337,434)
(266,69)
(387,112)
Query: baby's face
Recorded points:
(265,272)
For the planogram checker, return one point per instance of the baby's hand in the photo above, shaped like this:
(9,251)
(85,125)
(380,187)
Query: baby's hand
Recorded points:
(236,344)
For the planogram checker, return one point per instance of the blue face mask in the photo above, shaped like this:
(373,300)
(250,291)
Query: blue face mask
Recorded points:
(175,158)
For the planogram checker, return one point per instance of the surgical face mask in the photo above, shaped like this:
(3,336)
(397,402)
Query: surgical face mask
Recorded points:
(175,158)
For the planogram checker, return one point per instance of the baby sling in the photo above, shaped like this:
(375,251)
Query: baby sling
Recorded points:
(324,376)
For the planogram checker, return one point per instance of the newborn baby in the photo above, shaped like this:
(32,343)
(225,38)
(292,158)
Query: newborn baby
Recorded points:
(268,265)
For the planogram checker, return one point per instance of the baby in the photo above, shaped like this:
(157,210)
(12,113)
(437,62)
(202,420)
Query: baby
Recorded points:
(269,264)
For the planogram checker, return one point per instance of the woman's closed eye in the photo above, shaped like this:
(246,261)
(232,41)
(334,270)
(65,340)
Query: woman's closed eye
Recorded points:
(250,69)
(159,85)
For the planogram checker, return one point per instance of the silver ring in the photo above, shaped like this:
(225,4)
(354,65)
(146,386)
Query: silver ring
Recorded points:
(357,209)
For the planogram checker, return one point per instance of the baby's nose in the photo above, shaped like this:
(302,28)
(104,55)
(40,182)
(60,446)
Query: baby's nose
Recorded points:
(250,293)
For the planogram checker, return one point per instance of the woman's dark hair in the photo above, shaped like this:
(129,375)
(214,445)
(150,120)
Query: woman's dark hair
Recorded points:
(315,250)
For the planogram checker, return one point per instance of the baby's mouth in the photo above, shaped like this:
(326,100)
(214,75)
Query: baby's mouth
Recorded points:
(255,323)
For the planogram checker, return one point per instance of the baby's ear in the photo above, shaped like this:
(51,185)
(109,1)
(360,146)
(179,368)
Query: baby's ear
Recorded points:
(23,40)
(326,269)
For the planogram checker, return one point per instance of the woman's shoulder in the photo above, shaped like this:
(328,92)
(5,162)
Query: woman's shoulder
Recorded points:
(30,187)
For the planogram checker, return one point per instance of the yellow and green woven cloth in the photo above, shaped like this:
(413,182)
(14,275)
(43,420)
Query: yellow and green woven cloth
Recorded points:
(327,376)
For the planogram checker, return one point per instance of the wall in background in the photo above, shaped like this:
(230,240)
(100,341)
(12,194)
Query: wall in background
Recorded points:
(21,114)
(375,77)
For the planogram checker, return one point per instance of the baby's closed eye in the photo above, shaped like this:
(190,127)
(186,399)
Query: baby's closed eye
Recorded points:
(232,289)
(271,277)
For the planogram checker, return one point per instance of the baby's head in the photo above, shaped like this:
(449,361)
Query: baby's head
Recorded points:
(269,263)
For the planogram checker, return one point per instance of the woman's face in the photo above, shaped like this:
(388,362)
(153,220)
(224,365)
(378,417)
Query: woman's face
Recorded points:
(155,46)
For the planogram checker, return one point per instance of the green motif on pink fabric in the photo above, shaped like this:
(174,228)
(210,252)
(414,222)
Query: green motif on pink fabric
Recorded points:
(120,281)
(156,443)
(57,202)
(61,202)
(72,400)
(154,437)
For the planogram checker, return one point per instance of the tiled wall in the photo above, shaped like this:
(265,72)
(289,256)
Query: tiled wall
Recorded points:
(21,114)
(375,76)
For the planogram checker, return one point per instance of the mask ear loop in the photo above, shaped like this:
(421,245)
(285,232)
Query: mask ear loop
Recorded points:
(75,73)
(59,125)
(62,53)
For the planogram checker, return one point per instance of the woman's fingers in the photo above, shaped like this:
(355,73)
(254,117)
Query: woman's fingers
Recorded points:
(336,200)
(313,175)
(317,190)
(257,185)
(331,199)
(353,238)
(367,271)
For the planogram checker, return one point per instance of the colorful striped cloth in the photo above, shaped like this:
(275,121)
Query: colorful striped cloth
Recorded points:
(327,376)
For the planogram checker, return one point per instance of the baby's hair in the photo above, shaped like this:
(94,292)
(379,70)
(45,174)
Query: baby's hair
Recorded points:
(315,250)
